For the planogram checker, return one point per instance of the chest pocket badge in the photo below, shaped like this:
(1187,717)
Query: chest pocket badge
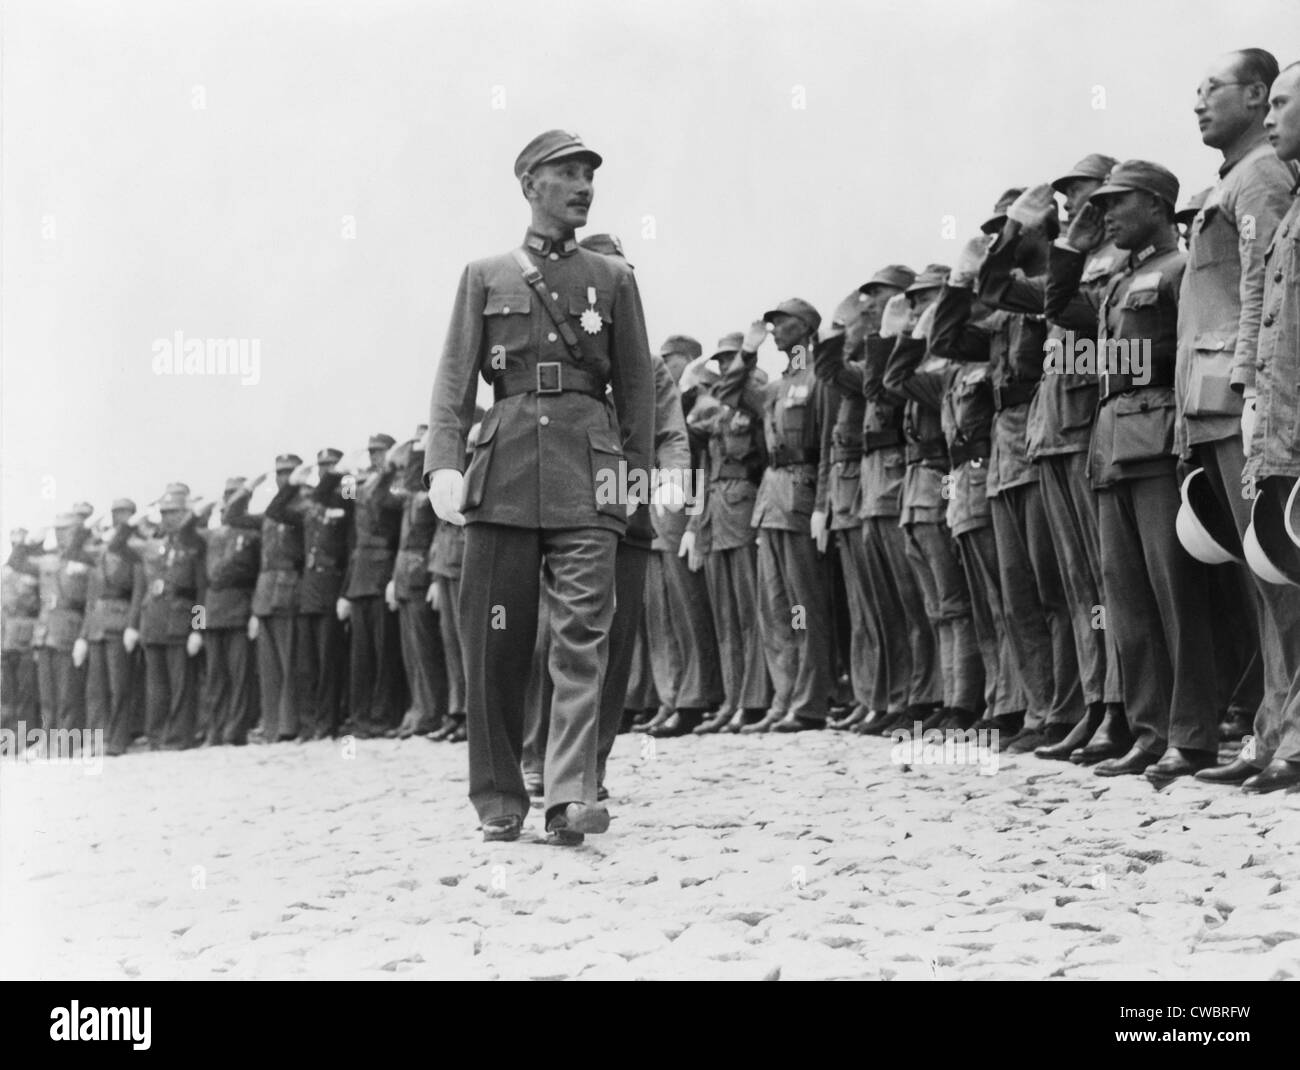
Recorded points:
(590,318)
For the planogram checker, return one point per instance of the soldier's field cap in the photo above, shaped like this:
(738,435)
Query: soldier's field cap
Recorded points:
(381,442)
(800,310)
(329,455)
(235,483)
(605,244)
(1191,206)
(173,501)
(995,222)
(177,488)
(286,462)
(1140,175)
(848,310)
(729,344)
(1094,166)
(83,509)
(68,520)
(681,345)
(551,146)
(900,276)
(122,503)
(934,276)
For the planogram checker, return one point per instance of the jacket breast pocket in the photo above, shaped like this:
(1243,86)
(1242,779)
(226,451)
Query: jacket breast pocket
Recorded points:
(1079,399)
(608,472)
(507,325)
(481,462)
(1209,389)
(1144,428)
(284,592)
(1214,238)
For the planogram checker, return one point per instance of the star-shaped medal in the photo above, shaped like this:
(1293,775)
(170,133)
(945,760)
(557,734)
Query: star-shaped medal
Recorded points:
(590,318)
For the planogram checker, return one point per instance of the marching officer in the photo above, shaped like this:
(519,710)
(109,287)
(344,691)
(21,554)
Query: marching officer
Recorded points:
(550,325)
(111,677)
(64,586)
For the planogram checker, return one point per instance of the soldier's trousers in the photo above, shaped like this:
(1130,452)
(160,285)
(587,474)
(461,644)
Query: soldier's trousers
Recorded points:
(321,647)
(1071,507)
(276,665)
(499,616)
(662,641)
(869,685)
(909,651)
(1003,691)
(63,689)
(732,578)
(422,657)
(932,554)
(375,690)
(227,702)
(449,626)
(795,622)
(641,693)
(1279,614)
(170,688)
(686,598)
(19,690)
(1033,598)
(1157,605)
(110,685)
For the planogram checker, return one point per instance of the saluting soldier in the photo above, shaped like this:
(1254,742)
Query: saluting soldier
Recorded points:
(550,325)
(111,677)
(171,585)
(21,606)
(64,586)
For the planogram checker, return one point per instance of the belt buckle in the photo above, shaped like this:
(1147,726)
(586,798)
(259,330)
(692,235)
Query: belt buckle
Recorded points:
(548,377)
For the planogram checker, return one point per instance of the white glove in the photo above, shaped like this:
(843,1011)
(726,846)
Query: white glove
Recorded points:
(972,255)
(923,325)
(390,595)
(669,495)
(694,559)
(819,532)
(194,643)
(79,651)
(343,609)
(254,628)
(1249,417)
(433,598)
(130,640)
(1033,207)
(447,494)
(897,318)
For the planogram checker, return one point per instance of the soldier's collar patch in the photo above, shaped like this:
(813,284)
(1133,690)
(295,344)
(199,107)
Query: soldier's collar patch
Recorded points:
(543,245)
(1149,280)
(1143,254)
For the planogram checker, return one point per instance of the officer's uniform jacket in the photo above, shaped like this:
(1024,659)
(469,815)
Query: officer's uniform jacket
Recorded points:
(376,529)
(1133,437)
(541,456)
(1222,293)
(233,555)
(736,458)
(673,451)
(325,516)
(419,523)
(1063,407)
(64,587)
(924,446)
(280,570)
(1012,345)
(22,601)
(112,581)
(1275,447)
(171,581)
(839,474)
(447,551)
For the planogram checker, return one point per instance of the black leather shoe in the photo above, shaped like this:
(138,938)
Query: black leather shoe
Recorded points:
(1135,761)
(665,712)
(796,723)
(1061,749)
(458,735)
(1276,776)
(1236,724)
(1234,772)
(602,793)
(737,721)
(935,719)
(1005,724)
(769,721)
(1027,739)
(558,833)
(1180,761)
(1112,739)
(641,718)
(855,716)
(715,722)
(681,723)
(959,720)
(502,829)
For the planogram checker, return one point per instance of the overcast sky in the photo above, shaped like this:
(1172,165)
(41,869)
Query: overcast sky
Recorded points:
(314,176)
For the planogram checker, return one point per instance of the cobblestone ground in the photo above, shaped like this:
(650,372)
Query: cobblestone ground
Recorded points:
(809,856)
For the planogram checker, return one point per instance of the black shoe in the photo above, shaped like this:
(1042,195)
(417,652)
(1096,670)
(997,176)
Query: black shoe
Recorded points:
(679,723)
(629,719)
(458,735)
(715,722)
(769,721)
(882,722)
(1276,776)
(602,793)
(796,723)
(1059,750)
(1234,772)
(1112,740)
(936,719)
(959,719)
(855,716)
(1134,762)
(1027,739)
(1236,724)
(664,714)
(502,829)
(1180,761)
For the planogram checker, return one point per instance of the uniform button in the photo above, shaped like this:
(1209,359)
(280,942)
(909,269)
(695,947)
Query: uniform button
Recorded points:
(506,309)
(1268,320)
(554,296)
(555,256)
(1277,277)
(545,420)
(551,337)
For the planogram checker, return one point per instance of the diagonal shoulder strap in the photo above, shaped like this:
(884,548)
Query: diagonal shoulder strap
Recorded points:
(534,279)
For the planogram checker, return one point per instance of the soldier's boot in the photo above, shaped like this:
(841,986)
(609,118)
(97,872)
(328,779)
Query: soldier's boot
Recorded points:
(1078,735)
(1112,740)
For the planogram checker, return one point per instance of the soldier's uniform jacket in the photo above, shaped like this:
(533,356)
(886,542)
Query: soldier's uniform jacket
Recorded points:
(419,523)
(839,475)
(1275,447)
(447,551)
(541,454)
(673,451)
(1133,437)
(737,456)
(112,581)
(1064,406)
(280,569)
(1222,292)
(325,516)
(1012,345)
(171,581)
(231,562)
(376,528)
(924,444)
(22,601)
(64,586)
(962,396)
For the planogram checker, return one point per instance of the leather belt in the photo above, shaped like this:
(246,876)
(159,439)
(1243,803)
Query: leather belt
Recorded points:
(549,377)
(961,451)
(1011,394)
(846,454)
(787,457)
(731,470)
(881,440)
(1122,382)
(928,451)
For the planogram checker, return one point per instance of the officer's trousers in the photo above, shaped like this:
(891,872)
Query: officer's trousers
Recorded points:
(1157,605)
(1279,611)
(664,645)
(320,643)
(1033,598)
(870,685)
(170,696)
(699,679)
(641,693)
(276,660)
(19,690)
(909,650)
(1003,691)
(795,620)
(932,553)
(110,682)
(63,689)
(374,684)
(449,628)
(732,578)
(422,657)
(1071,507)
(228,700)
(499,615)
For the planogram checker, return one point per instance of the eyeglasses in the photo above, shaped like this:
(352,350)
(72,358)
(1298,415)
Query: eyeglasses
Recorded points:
(1204,92)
